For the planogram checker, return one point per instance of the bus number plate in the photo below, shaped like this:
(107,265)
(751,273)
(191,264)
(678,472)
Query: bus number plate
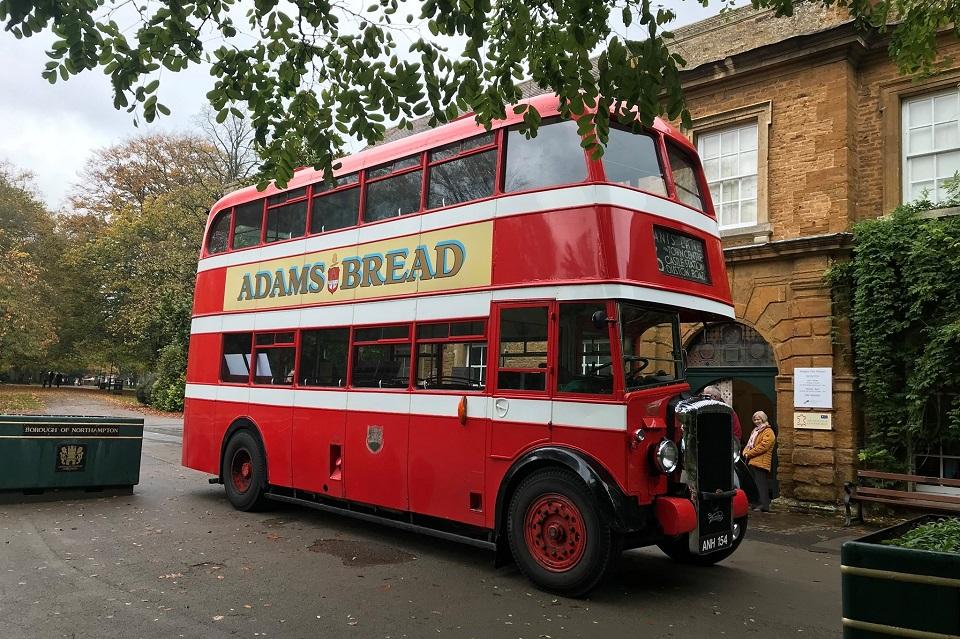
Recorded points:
(715,542)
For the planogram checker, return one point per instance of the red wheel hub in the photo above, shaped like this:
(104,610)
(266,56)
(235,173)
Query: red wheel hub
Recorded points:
(241,470)
(554,532)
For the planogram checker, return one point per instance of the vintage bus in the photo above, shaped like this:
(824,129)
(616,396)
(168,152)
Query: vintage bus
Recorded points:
(476,335)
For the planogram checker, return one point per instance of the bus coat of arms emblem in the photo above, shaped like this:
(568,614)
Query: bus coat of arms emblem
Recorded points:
(374,439)
(333,276)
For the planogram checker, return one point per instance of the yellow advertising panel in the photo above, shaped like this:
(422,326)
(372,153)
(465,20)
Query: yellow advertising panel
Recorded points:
(448,259)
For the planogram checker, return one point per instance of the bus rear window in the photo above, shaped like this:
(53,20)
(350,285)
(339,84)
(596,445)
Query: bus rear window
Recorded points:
(553,157)
(685,177)
(631,159)
(219,233)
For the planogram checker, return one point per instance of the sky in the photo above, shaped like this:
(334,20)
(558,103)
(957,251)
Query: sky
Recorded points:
(52,129)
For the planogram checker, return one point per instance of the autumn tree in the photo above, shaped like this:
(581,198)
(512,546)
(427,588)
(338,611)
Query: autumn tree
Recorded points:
(27,252)
(310,71)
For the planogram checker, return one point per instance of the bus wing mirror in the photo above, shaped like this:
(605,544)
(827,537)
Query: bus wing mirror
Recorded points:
(600,320)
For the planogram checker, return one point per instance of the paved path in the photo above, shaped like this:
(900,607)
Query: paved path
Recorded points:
(174,560)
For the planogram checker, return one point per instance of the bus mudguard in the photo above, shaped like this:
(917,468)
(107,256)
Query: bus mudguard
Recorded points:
(243,423)
(621,512)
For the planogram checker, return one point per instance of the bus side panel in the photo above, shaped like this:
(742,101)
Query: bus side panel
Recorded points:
(208,297)
(446,465)
(317,452)
(375,459)
(204,424)
(508,440)
(275,424)
(203,358)
(558,245)
(633,254)
(608,447)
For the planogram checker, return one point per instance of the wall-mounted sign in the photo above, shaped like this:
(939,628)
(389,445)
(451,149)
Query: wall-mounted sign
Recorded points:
(681,255)
(813,388)
(813,421)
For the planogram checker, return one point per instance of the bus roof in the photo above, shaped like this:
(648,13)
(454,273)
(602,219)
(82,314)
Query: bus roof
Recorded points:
(462,128)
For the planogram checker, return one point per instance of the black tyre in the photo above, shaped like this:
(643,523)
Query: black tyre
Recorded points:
(678,548)
(244,472)
(557,535)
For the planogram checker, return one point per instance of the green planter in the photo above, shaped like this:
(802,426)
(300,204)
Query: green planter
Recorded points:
(43,453)
(902,592)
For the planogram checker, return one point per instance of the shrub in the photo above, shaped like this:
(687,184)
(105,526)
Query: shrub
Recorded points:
(168,390)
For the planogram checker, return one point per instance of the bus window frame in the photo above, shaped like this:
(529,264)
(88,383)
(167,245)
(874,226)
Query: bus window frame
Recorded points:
(658,145)
(295,344)
(496,145)
(367,180)
(223,339)
(316,194)
(701,178)
(591,172)
(306,197)
(493,354)
(482,338)
(388,341)
(616,354)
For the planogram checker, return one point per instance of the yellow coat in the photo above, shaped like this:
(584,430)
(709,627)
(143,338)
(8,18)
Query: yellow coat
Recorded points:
(761,454)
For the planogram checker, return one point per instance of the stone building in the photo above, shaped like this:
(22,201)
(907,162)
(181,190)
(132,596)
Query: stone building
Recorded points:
(804,126)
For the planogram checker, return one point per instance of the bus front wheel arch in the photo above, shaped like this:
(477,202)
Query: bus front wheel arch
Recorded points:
(243,470)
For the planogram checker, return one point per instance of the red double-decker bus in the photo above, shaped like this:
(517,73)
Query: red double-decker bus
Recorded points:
(476,335)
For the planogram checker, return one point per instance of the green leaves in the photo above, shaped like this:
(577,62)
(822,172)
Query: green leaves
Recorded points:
(347,59)
(901,291)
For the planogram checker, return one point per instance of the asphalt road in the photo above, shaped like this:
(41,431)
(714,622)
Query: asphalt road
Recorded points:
(174,560)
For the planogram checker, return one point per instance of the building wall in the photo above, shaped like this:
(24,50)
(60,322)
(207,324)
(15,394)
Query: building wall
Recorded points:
(831,108)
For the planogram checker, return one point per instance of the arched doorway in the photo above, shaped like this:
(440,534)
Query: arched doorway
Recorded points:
(736,358)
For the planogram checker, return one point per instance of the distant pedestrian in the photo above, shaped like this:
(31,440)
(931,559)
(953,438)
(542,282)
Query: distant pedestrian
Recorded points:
(59,379)
(759,455)
(714,393)
(49,380)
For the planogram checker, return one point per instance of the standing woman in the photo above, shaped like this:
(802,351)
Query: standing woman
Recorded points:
(759,455)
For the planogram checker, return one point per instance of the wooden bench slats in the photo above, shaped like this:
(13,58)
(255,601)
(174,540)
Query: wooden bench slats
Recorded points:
(907,495)
(916,479)
(930,505)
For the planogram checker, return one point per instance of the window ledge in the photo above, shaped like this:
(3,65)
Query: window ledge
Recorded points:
(758,233)
(950,211)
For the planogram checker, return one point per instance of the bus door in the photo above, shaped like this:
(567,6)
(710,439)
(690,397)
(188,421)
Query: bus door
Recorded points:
(378,417)
(521,408)
(448,423)
(319,413)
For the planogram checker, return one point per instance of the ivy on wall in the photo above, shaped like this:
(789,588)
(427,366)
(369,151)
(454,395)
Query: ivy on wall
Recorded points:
(901,291)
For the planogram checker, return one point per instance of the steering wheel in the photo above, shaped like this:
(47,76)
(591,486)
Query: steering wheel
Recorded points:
(636,374)
(594,369)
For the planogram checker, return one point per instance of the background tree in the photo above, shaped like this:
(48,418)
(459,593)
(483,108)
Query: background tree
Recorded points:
(28,265)
(308,71)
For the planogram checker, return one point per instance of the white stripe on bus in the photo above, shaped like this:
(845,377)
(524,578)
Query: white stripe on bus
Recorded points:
(532,411)
(522,203)
(448,306)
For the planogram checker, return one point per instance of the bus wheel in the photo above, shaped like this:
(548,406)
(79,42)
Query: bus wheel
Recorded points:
(678,549)
(244,472)
(556,533)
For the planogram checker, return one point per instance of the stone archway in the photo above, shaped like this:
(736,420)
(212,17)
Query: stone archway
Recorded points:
(736,357)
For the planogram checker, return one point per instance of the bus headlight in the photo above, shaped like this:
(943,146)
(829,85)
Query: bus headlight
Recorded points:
(666,456)
(736,450)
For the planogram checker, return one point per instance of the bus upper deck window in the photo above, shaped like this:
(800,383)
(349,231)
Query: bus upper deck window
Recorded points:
(246,229)
(631,159)
(395,195)
(685,177)
(219,233)
(287,220)
(553,157)
(335,206)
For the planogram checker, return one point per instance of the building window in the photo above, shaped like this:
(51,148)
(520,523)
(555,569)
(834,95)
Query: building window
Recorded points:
(730,162)
(931,144)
